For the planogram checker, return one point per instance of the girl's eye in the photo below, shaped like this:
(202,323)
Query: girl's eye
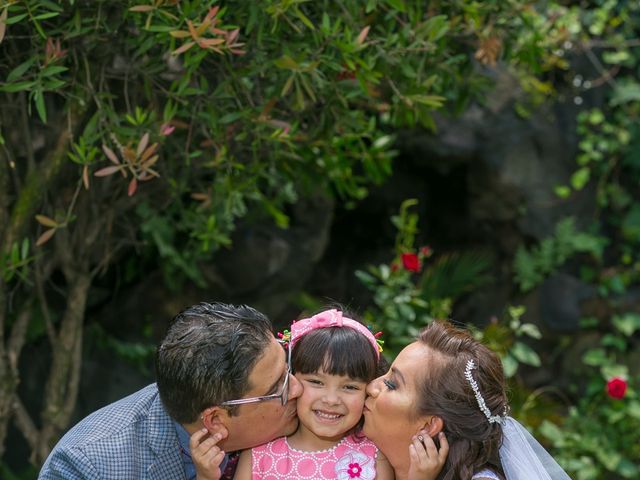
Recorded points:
(390,385)
(352,387)
(313,381)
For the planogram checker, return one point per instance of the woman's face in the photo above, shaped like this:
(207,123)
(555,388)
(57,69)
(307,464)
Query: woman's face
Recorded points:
(390,418)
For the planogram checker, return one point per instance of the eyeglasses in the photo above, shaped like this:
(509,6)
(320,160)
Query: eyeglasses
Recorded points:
(283,396)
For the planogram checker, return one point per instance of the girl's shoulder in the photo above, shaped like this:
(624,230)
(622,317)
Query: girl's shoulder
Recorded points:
(486,473)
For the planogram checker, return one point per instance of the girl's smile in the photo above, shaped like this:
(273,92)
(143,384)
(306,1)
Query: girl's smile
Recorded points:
(329,407)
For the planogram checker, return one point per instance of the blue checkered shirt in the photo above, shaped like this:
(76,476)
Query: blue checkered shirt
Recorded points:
(133,438)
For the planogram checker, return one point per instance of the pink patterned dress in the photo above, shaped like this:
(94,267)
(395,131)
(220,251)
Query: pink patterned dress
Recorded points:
(351,459)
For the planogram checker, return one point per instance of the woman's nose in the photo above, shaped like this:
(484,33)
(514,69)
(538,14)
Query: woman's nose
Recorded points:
(373,388)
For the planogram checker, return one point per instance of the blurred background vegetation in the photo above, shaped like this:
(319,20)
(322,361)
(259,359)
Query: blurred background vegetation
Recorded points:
(478,161)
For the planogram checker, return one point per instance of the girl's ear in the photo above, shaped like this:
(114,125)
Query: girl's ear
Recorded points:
(434,426)
(214,420)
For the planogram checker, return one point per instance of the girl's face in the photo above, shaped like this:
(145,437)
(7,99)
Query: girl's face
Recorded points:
(330,406)
(390,418)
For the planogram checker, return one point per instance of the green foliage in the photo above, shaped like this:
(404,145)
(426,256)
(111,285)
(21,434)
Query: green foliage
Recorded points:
(14,264)
(532,266)
(606,445)
(236,106)
(408,295)
(505,337)
(138,354)
(8,474)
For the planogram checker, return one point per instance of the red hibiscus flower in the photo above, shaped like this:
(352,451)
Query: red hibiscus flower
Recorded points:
(616,388)
(411,262)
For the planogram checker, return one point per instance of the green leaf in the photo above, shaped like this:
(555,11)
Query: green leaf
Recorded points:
(634,409)
(44,16)
(562,191)
(230,117)
(531,330)
(51,5)
(595,357)
(510,366)
(16,18)
(610,371)
(625,93)
(53,69)
(552,432)
(397,4)
(38,98)
(628,323)
(20,70)
(580,178)
(525,354)
(17,87)
(303,18)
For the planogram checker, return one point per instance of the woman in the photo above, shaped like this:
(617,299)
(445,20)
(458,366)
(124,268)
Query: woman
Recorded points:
(449,382)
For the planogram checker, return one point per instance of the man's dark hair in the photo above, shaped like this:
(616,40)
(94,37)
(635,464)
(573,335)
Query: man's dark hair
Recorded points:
(207,356)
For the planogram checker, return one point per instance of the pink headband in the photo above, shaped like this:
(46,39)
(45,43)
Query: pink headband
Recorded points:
(331,318)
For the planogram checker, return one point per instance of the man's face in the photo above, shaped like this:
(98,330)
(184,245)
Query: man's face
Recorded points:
(258,423)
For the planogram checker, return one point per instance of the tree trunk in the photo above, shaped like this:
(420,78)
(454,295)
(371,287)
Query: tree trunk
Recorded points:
(64,377)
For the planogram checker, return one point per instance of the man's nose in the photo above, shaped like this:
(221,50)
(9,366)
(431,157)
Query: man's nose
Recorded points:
(295,387)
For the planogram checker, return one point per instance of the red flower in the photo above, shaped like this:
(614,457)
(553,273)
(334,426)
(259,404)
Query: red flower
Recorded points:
(616,388)
(426,251)
(411,262)
(394,267)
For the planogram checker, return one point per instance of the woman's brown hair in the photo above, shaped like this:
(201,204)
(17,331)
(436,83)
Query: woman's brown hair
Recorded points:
(445,392)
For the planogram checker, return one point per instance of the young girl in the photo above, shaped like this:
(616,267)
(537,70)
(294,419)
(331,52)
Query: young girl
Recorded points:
(334,358)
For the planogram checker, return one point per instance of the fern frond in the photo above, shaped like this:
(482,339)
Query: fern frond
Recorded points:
(453,274)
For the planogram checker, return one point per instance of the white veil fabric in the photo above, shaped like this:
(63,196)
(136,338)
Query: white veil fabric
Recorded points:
(523,458)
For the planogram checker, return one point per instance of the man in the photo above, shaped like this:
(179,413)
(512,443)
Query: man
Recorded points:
(219,368)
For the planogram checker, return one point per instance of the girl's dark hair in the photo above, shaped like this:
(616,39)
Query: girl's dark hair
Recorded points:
(336,351)
(444,391)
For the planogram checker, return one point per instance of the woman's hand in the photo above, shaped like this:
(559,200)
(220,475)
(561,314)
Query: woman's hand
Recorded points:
(426,459)
(206,455)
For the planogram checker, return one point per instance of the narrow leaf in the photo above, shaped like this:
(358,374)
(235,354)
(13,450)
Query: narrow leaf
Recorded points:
(179,34)
(20,69)
(183,48)
(106,171)
(133,186)
(3,23)
(150,162)
(144,141)
(40,106)
(85,177)
(362,35)
(210,42)
(46,221)
(110,155)
(148,152)
(17,87)
(192,30)
(142,8)
(45,237)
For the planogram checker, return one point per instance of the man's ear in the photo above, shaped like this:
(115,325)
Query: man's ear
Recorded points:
(434,426)
(214,419)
